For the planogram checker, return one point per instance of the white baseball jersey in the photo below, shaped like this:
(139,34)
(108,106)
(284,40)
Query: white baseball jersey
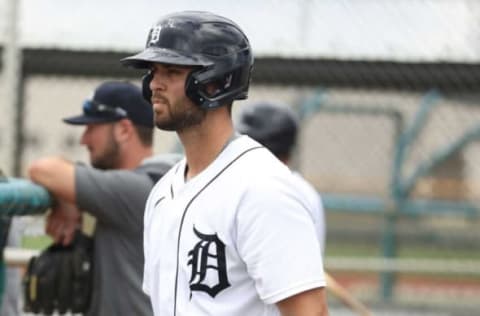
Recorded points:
(316,207)
(233,240)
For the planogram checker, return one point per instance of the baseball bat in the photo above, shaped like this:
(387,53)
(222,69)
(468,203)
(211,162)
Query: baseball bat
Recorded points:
(346,297)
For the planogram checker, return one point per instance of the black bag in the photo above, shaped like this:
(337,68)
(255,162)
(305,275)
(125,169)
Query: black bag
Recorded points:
(60,278)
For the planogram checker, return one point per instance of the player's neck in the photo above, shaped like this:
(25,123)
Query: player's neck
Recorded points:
(203,145)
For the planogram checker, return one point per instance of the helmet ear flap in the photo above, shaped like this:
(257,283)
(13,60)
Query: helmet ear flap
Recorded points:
(216,86)
(146,91)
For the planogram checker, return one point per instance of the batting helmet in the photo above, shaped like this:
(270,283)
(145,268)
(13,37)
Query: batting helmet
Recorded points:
(214,45)
(273,125)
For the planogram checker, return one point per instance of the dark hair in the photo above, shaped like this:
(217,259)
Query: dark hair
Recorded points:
(145,134)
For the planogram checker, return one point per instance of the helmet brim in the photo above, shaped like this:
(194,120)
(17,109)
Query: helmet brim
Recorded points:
(144,59)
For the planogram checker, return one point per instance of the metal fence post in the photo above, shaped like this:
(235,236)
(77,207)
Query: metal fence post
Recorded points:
(12,60)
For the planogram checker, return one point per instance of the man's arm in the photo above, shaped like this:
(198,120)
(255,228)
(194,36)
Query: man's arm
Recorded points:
(57,175)
(309,303)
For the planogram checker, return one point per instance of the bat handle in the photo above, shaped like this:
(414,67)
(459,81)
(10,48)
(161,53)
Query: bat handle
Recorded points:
(346,297)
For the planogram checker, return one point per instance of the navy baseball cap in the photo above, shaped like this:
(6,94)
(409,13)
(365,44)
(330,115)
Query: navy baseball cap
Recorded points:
(113,101)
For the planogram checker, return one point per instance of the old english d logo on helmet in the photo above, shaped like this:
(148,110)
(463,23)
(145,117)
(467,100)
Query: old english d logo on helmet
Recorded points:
(215,46)
(154,35)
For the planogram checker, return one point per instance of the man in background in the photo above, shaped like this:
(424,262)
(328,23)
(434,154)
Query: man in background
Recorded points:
(275,126)
(118,136)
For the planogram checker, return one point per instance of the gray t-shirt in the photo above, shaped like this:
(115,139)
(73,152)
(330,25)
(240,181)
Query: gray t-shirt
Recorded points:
(116,198)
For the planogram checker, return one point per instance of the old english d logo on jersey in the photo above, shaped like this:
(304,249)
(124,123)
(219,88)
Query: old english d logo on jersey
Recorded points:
(207,259)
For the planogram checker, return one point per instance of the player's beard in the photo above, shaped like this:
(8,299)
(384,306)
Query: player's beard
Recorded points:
(178,116)
(108,158)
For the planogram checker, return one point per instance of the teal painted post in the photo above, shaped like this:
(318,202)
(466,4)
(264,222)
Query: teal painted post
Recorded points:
(19,197)
(23,197)
(389,250)
(3,179)
(2,280)
(403,139)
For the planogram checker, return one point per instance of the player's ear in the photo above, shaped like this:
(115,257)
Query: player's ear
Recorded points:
(123,130)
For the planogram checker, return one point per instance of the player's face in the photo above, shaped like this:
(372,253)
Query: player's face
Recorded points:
(172,109)
(102,145)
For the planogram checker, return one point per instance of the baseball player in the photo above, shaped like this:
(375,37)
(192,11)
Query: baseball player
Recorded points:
(275,126)
(224,232)
(118,135)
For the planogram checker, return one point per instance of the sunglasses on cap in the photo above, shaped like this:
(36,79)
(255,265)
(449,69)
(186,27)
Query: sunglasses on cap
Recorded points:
(93,108)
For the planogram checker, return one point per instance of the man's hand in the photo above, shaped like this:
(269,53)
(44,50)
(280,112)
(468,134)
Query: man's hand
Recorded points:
(62,222)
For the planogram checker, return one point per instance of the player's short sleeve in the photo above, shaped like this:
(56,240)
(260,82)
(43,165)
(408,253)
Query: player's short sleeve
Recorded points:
(116,197)
(315,204)
(277,240)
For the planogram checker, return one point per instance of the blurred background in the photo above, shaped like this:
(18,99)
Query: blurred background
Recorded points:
(389,96)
